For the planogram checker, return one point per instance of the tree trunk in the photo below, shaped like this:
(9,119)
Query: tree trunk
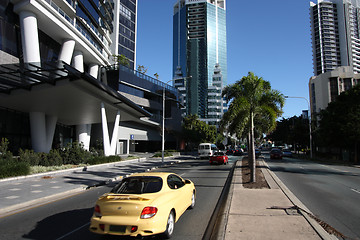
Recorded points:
(252,159)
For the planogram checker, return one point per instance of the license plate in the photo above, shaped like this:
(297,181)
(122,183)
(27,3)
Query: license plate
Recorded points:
(116,228)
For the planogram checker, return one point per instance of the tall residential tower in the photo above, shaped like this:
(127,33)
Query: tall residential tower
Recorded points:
(200,57)
(335,34)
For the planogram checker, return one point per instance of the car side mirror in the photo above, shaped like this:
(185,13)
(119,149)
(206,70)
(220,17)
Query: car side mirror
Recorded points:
(187,181)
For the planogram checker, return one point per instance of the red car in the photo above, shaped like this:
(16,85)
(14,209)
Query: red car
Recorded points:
(219,158)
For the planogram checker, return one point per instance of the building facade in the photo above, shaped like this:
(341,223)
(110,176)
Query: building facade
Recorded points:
(335,31)
(124,35)
(54,88)
(325,87)
(200,56)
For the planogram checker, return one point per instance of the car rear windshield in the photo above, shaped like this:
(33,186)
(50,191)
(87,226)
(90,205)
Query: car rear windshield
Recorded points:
(138,185)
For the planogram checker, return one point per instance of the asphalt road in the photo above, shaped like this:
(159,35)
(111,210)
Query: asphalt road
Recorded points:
(69,218)
(330,192)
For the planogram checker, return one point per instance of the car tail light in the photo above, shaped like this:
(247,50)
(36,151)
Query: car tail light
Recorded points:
(102,227)
(97,211)
(134,229)
(148,212)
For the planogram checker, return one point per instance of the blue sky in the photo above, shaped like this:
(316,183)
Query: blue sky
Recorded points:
(270,38)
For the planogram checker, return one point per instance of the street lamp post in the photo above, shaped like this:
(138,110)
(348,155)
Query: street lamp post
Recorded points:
(163,117)
(311,152)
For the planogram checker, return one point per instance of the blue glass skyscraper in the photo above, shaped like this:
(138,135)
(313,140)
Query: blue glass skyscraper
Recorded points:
(199,47)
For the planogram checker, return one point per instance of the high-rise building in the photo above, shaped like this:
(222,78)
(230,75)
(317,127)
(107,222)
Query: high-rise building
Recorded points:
(335,30)
(124,35)
(200,57)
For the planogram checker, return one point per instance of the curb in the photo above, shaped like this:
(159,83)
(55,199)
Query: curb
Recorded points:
(302,208)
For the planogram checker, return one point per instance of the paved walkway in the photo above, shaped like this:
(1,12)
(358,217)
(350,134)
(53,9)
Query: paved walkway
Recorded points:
(19,193)
(268,213)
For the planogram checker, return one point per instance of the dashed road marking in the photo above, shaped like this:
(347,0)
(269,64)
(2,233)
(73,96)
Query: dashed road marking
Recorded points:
(14,189)
(12,197)
(36,185)
(36,191)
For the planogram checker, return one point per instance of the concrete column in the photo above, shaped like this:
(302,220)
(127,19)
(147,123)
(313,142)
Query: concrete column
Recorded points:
(93,70)
(83,131)
(42,129)
(67,50)
(29,37)
(78,61)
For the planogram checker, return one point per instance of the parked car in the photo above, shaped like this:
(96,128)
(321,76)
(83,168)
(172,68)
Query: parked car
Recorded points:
(287,153)
(143,204)
(219,158)
(276,153)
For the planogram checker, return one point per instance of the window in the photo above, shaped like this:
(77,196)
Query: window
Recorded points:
(175,182)
(138,185)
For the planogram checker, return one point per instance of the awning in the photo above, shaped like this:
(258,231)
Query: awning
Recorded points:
(60,90)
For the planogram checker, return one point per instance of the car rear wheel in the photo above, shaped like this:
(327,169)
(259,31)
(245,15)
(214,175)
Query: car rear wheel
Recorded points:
(170,225)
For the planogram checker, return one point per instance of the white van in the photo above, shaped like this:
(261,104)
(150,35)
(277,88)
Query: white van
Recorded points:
(206,150)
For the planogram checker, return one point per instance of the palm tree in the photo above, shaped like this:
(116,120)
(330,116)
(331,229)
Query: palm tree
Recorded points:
(251,100)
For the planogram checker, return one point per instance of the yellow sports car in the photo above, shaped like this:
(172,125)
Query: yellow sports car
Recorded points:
(143,204)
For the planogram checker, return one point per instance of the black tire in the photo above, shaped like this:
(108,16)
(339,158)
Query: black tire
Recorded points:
(170,225)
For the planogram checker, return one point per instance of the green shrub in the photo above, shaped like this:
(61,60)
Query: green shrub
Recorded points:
(166,154)
(54,158)
(4,153)
(30,157)
(74,153)
(103,159)
(13,168)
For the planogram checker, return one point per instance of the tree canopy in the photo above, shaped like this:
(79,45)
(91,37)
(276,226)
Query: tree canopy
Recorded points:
(252,104)
(196,131)
(339,124)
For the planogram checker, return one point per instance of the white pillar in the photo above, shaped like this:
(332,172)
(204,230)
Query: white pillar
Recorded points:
(83,131)
(67,50)
(109,148)
(93,70)
(42,131)
(29,37)
(78,61)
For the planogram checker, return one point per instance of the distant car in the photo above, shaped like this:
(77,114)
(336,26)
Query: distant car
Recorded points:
(219,158)
(276,153)
(257,152)
(230,151)
(238,152)
(143,204)
(287,153)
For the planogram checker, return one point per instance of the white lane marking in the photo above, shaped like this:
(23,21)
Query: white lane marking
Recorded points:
(36,185)
(335,169)
(355,190)
(36,191)
(14,189)
(73,231)
(55,187)
(12,197)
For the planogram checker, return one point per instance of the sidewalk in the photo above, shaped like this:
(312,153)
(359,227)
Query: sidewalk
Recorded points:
(268,213)
(20,193)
